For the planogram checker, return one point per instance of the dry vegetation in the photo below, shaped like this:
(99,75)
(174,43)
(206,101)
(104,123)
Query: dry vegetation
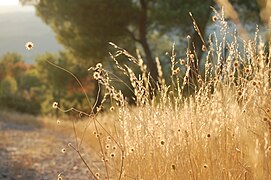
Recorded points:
(214,125)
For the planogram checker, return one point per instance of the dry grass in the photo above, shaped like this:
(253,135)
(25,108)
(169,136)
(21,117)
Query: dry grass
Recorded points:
(21,119)
(215,125)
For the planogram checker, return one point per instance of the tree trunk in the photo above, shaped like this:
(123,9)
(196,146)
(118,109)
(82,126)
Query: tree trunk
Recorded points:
(143,41)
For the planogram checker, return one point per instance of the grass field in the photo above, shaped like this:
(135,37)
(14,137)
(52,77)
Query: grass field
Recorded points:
(210,125)
(214,125)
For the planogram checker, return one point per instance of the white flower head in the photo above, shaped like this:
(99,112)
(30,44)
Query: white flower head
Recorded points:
(29,45)
(55,105)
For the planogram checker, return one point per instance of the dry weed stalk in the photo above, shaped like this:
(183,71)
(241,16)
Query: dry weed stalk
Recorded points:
(214,125)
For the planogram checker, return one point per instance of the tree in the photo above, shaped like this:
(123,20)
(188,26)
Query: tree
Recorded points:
(85,27)
(58,85)
(12,64)
(8,86)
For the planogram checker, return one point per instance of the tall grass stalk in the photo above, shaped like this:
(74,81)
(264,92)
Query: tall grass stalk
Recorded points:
(214,125)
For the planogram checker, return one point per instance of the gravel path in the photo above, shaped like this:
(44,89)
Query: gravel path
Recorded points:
(30,152)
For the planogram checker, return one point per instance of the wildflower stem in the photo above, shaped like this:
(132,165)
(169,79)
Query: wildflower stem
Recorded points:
(84,161)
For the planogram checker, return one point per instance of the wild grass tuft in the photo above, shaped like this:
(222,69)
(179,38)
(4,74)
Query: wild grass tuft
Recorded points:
(215,124)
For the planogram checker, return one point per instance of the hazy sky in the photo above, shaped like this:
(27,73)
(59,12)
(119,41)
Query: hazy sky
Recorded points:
(9,2)
(7,6)
(19,25)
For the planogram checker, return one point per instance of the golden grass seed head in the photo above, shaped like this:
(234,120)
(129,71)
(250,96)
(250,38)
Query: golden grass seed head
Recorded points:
(218,70)
(186,133)
(99,109)
(118,96)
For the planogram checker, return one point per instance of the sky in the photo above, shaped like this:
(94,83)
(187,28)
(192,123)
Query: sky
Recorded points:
(8,6)
(9,2)
(19,25)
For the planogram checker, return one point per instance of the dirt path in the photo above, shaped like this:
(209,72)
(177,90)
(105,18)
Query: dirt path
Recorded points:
(30,152)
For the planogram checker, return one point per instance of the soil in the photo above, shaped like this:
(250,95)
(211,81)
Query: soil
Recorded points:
(31,152)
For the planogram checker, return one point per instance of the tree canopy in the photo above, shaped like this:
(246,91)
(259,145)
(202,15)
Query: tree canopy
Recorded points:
(85,27)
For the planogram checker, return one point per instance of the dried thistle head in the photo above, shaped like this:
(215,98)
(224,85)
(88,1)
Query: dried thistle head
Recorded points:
(96,76)
(176,71)
(112,108)
(203,48)
(63,150)
(182,61)
(254,83)
(99,65)
(162,142)
(55,105)
(29,45)
(191,56)
(214,18)
(235,64)
(247,70)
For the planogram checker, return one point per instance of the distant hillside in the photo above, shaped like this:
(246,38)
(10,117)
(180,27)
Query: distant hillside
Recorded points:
(19,27)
